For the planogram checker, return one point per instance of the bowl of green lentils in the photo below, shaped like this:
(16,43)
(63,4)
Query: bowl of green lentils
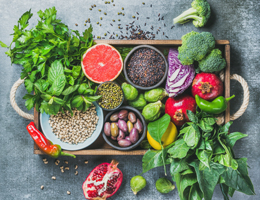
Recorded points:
(112,95)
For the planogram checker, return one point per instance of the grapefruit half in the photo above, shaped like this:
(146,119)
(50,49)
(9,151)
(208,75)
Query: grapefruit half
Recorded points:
(101,63)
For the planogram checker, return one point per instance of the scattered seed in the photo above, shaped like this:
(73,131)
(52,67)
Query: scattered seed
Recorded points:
(42,187)
(137,13)
(113,20)
(113,4)
(46,162)
(164,25)
(101,18)
(94,5)
(86,162)
(86,21)
(99,10)
(44,159)
(76,173)
(100,24)
(85,24)
(123,14)
(56,163)
(137,18)
(143,3)
(53,178)
(105,13)
(97,22)
(105,34)
(159,15)
(122,8)
(151,5)
(108,2)
(172,27)
(116,36)
(67,168)
(111,24)
(62,170)
(119,20)
(61,167)
(66,162)
(133,16)
(76,166)
(68,192)
(166,36)
(90,8)
(147,17)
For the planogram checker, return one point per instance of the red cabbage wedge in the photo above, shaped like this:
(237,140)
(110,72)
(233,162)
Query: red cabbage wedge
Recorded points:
(179,76)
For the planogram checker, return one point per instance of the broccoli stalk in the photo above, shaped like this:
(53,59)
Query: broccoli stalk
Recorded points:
(199,13)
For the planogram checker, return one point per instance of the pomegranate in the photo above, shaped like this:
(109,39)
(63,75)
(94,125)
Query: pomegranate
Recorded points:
(177,107)
(207,85)
(103,181)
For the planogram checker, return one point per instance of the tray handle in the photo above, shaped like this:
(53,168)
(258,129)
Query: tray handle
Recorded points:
(245,103)
(238,114)
(13,102)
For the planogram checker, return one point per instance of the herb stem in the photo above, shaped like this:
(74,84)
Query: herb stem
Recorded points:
(164,166)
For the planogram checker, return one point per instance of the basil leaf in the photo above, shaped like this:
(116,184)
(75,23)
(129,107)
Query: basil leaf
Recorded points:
(58,100)
(205,127)
(77,101)
(188,171)
(185,130)
(152,159)
(82,88)
(93,98)
(239,179)
(209,120)
(193,136)
(58,85)
(70,89)
(158,127)
(225,128)
(55,71)
(233,137)
(192,117)
(179,150)
(46,97)
(76,71)
(208,178)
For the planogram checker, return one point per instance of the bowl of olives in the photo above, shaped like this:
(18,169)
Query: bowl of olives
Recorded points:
(124,128)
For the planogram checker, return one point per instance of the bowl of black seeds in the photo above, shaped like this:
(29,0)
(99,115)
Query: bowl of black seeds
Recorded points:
(112,96)
(145,67)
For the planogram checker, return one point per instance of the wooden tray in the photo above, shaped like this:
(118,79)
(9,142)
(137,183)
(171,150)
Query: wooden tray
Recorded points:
(99,147)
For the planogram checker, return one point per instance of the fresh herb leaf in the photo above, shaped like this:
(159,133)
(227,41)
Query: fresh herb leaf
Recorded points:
(179,150)
(3,44)
(58,85)
(70,90)
(152,159)
(55,71)
(192,116)
(233,137)
(193,136)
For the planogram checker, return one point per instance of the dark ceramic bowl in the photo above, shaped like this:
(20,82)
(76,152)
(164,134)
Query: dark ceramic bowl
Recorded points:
(119,104)
(129,56)
(114,143)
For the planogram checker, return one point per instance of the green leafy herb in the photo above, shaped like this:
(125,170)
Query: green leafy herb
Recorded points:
(51,54)
(201,158)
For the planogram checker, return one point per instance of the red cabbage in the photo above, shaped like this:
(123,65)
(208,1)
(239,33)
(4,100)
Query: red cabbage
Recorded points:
(179,76)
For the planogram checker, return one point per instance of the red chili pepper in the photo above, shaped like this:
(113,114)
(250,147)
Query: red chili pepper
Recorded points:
(53,150)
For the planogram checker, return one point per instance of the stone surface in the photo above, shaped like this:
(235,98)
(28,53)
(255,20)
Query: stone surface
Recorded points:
(23,173)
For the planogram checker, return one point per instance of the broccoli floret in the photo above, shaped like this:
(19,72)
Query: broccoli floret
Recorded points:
(195,46)
(213,62)
(199,13)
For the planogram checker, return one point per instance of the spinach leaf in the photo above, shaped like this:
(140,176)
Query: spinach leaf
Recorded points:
(204,156)
(195,192)
(192,117)
(178,165)
(186,181)
(224,190)
(152,159)
(208,178)
(233,137)
(158,127)
(225,128)
(193,136)
(239,179)
(179,150)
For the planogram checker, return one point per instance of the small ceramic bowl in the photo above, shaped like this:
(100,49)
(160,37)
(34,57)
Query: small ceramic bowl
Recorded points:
(118,105)
(114,143)
(47,131)
(149,87)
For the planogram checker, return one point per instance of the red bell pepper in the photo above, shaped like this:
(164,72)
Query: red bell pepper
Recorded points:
(45,145)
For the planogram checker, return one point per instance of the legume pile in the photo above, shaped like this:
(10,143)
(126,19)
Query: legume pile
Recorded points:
(146,67)
(75,129)
(112,95)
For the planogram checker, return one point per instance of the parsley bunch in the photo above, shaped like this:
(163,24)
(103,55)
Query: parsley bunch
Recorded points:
(51,54)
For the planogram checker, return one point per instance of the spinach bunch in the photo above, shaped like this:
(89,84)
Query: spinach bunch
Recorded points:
(201,158)
(51,54)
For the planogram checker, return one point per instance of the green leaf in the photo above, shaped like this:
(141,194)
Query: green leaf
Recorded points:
(185,130)
(224,190)
(76,71)
(186,181)
(82,88)
(152,159)
(179,150)
(41,85)
(208,178)
(192,117)
(28,85)
(239,179)
(46,97)
(204,156)
(209,120)
(3,44)
(188,171)
(204,126)
(23,21)
(71,80)
(41,68)
(158,127)
(93,98)
(193,136)
(58,85)
(58,100)
(233,137)
(55,70)
(70,89)
(32,76)
(49,109)
(77,101)
(178,165)
(195,192)
(29,103)
(226,127)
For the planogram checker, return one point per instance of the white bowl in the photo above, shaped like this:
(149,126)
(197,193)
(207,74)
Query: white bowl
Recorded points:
(47,131)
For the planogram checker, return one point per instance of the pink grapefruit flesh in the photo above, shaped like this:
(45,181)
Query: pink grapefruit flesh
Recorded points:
(101,63)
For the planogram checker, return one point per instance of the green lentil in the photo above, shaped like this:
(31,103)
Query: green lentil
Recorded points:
(143,3)
(122,8)
(85,24)
(105,34)
(116,35)
(105,13)
(123,14)
(97,22)
(113,4)
(94,5)
(112,95)
(100,25)
(90,8)
(119,20)
(101,18)
(99,10)
(113,20)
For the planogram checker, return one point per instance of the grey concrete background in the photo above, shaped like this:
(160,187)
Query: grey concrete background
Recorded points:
(22,173)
